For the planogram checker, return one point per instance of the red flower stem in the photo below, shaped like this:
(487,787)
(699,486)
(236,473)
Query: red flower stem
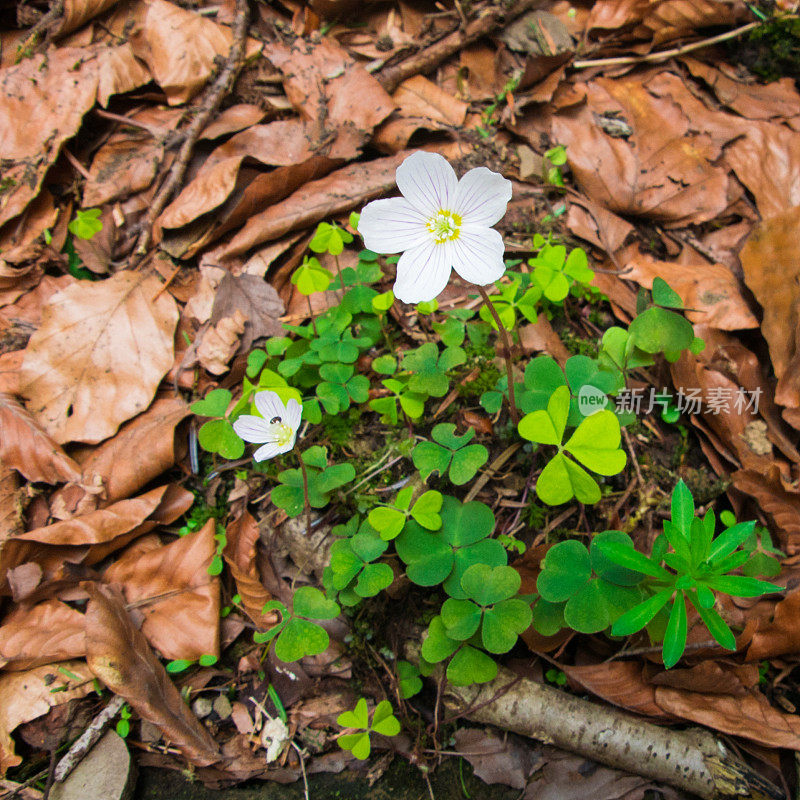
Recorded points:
(512,401)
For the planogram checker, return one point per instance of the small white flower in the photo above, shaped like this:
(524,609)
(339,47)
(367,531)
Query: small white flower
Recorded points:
(276,428)
(440,223)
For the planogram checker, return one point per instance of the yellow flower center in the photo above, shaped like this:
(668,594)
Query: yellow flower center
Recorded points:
(281,432)
(445,226)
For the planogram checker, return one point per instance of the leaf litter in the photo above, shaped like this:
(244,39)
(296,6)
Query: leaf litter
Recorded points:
(116,556)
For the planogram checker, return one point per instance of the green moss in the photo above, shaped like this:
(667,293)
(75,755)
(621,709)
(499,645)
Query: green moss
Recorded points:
(772,50)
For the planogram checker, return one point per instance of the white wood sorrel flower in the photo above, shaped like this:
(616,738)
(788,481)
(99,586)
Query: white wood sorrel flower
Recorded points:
(439,224)
(276,428)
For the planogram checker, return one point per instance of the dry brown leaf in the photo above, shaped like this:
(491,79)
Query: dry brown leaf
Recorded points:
(119,655)
(710,677)
(28,449)
(48,632)
(751,100)
(24,580)
(239,554)
(128,161)
(539,337)
(710,292)
(77,12)
(99,355)
(10,509)
(750,716)
(766,159)
(340,99)
(179,46)
(220,343)
(340,191)
(42,102)
(496,759)
(27,695)
(663,171)
(255,300)
(90,537)
(597,225)
(171,587)
(20,240)
(232,119)
(781,635)
(771,265)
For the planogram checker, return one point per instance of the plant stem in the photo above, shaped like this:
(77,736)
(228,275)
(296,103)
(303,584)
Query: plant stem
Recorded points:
(341,279)
(306,501)
(311,314)
(512,401)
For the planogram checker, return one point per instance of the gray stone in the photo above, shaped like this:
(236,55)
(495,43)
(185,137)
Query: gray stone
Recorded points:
(105,773)
(223,707)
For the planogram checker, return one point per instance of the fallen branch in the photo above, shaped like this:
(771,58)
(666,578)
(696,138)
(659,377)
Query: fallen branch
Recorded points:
(425,60)
(87,740)
(663,55)
(211,101)
(692,760)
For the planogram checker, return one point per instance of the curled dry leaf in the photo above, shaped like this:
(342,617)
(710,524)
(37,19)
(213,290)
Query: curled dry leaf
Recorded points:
(220,342)
(171,587)
(90,537)
(232,119)
(750,716)
(27,695)
(240,556)
(340,191)
(178,46)
(20,240)
(771,265)
(780,635)
(99,355)
(118,654)
(47,632)
(28,449)
(506,760)
(10,509)
(76,12)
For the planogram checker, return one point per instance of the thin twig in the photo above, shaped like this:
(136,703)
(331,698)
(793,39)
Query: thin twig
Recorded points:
(302,769)
(210,104)
(87,739)
(75,163)
(44,23)
(663,55)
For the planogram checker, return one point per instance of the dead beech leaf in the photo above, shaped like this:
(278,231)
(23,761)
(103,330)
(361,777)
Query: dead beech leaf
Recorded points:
(128,161)
(255,300)
(90,537)
(10,509)
(27,695)
(119,655)
(28,449)
(496,759)
(47,632)
(76,12)
(780,635)
(664,171)
(220,343)
(766,159)
(327,87)
(710,677)
(21,240)
(179,46)
(240,556)
(771,265)
(340,191)
(750,716)
(171,587)
(99,355)
(710,291)
(232,119)
(42,102)
(597,225)
(539,337)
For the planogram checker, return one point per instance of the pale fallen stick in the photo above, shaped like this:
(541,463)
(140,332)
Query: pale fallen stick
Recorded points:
(84,743)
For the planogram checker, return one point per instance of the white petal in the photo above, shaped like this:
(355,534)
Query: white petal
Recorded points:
(252,429)
(478,254)
(389,226)
(482,196)
(428,182)
(293,413)
(267,451)
(269,405)
(422,272)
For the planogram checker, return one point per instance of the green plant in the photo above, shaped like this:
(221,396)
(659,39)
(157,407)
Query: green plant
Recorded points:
(329,239)
(554,158)
(390,520)
(295,635)
(310,277)
(595,444)
(555,272)
(450,455)
(697,564)
(428,368)
(322,481)
(383,722)
(123,726)
(217,435)
(408,678)
(86,223)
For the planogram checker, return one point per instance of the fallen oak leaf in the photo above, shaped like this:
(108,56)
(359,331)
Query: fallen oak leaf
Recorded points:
(99,355)
(28,449)
(173,590)
(118,654)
